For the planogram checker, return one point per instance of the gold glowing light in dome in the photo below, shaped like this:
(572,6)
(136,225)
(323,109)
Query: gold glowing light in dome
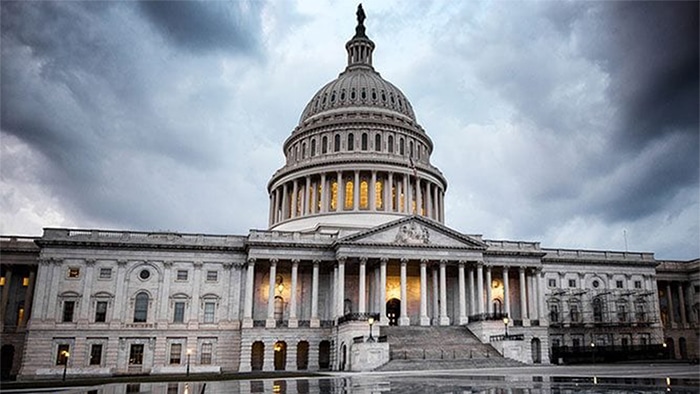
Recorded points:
(364,194)
(378,189)
(334,195)
(349,187)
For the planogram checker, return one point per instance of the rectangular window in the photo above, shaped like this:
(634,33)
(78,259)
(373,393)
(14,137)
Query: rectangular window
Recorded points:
(637,284)
(101,312)
(181,274)
(209,312)
(572,282)
(105,273)
(697,289)
(552,283)
(212,276)
(175,353)
(62,354)
(25,281)
(74,272)
(179,312)
(96,354)
(68,310)
(619,284)
(205,357)
(576,341)
(2,281)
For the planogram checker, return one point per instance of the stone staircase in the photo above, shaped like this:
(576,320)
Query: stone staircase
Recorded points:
(439,347)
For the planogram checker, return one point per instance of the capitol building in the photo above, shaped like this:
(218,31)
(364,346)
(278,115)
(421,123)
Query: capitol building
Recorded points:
(356,271)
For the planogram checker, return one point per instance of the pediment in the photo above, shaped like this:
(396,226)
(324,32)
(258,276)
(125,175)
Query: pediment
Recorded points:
(413,231)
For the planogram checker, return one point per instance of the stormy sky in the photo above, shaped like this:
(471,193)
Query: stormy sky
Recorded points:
(573,123)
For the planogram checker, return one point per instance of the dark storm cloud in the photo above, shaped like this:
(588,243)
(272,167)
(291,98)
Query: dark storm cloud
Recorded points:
(206,25)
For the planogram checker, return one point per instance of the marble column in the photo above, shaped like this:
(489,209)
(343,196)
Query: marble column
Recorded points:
(315,322)
(28,297)
(506,293)
(403,319)
(340,198)
(523,298)
(424,319)
(406,196)
(341,286)
(444,319)
(462,295)
(472,292)
(389,200)
(324,194)
(419,197)
(293,322)
(372,190)
(383,320)
(681,301)
(671,309)
(270,322)
(295,199)
(480,288)
(362,291)
(489,295)
(356,192)
(248,301)
(436,298)
(285,202)
(87,281)
(305,198)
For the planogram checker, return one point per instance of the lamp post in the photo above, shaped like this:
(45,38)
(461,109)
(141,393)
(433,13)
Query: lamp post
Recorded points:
(370,321)
(665,350)
(189,352)
(66,356)
(505,324)
(593,352)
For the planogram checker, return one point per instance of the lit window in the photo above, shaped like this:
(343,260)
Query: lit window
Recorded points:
(68,311)
(364,194)
(25,281)
(205,355)
(318,193)
(209,312)
(378,194)
(105,273)
(181,274)
(2,281)
(349,195)
(212,276)
(334,195)
(175,353)
(73,272)
(310,198)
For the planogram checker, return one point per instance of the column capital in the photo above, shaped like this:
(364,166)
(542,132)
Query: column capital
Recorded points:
(404,260)
(363,260)
(296,261)
(274,261)
(198,265)
(521,268)
(228,265)
(479,264)
(251,261)
(384,260)
(90,262)
(316,262)
(488,267)
(342,259)
(462,262)
(121,262)
(42,261)
(424,261)
(169,264)
(443,261)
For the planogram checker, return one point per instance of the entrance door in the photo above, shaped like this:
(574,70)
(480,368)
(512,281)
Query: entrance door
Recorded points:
(257,356)
(136,357)
(280,356)
(393,311)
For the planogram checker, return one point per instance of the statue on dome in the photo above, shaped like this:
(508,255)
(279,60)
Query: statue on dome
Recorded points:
(360,15)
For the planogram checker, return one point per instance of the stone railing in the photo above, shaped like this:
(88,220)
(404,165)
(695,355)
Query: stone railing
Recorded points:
(357,317)
(140,237)
(508,337)
(597,255)
(487,317)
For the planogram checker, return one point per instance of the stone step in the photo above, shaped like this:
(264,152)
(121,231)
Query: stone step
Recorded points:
(408,365)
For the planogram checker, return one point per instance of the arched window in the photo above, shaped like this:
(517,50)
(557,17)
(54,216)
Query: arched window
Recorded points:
(364,194)
(324,144)
(597,309)
(336,147)
(364,141)
(401,147)
(351,142)
(378,142)
(313,147)
(410,148)
(303,150)
(349,194)
(390,144)
(141,308)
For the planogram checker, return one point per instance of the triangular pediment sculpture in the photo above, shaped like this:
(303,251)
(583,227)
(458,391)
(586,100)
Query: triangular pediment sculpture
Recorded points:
(414,231)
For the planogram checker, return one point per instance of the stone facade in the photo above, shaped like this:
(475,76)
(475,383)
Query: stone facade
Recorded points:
(356,232)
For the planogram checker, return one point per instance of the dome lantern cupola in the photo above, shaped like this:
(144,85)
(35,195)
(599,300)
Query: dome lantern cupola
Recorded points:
(360,47)
(358,157)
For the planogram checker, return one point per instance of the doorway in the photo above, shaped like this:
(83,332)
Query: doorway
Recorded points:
(6,360)
(393,311)
(136,357)
(324,355)
(257,356)
(280,355)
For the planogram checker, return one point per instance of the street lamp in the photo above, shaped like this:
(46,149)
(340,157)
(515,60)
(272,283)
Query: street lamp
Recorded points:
(66,356)
(593,352)
(505,323)
(370,321)
(189,352)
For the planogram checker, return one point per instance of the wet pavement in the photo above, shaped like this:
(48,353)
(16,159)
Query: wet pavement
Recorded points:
(638,378)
